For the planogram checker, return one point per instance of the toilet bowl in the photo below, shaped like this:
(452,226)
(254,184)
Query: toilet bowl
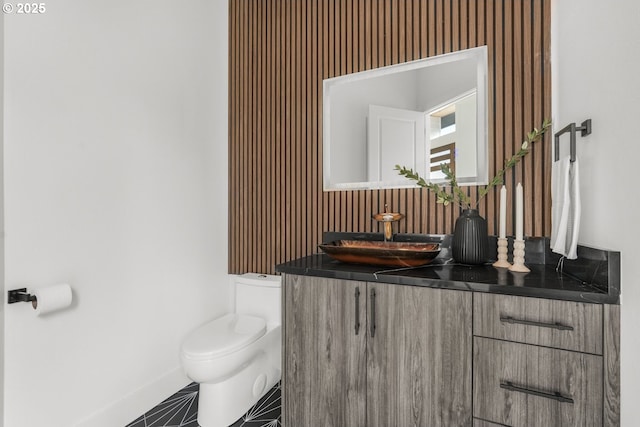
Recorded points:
(236,357)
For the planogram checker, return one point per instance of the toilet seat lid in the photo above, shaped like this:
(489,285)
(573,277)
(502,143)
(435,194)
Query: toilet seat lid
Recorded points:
(224,335)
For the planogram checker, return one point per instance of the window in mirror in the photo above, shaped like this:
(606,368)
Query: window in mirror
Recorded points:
(378,118)
(443,122)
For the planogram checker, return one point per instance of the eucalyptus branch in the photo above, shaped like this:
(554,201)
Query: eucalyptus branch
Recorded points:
(533,136)
(457,195)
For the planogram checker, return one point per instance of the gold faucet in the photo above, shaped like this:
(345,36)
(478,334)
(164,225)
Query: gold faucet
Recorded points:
(388,218)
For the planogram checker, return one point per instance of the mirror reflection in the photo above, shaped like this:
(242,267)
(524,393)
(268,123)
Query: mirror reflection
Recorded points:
(418,114)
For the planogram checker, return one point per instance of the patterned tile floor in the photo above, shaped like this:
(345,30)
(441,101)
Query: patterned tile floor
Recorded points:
(181,410)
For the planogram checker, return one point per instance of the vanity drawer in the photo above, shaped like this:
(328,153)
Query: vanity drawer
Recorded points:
(552,323)
(523,385)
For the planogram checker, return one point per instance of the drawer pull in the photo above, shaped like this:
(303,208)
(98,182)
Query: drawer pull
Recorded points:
(373,312)
(508,385)
(357,326)
(560,326)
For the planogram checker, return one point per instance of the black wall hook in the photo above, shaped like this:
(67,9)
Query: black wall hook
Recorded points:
(19,295)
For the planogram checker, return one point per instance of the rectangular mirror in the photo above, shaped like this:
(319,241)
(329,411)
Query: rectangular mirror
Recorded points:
(418,114)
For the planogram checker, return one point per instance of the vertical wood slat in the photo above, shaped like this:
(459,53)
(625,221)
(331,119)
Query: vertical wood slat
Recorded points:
(279,53)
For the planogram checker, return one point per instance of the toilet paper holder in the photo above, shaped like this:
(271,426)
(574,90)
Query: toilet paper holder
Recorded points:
(19,295)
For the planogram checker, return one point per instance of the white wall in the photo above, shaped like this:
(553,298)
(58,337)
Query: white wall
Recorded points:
(115,166)
(596,68)
(2,297)
(349,111)
(441,83)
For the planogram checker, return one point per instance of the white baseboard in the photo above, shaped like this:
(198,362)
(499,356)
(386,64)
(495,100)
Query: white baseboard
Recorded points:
(131,406)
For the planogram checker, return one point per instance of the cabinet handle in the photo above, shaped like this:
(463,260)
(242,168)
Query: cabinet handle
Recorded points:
(357,326)
(508,385)
(560,326)
(373,312)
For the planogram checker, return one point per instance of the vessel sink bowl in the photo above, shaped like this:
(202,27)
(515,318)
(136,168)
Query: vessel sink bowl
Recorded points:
(387,254)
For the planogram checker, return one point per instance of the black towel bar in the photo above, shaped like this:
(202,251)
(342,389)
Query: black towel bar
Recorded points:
(584,128)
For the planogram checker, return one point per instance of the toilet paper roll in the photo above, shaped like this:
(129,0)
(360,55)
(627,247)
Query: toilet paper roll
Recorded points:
(52,298)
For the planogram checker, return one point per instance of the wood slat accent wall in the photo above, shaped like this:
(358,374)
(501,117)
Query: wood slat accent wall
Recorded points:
(279,53)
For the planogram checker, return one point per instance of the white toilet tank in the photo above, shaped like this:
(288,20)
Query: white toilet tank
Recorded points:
(259,295)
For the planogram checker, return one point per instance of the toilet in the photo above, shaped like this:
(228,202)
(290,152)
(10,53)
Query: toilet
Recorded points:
(236,357)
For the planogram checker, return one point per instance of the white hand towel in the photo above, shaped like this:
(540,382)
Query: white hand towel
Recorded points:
(565,207)
(559,193)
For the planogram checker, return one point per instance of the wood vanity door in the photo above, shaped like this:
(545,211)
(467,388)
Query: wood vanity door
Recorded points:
(324,378)
(419,357)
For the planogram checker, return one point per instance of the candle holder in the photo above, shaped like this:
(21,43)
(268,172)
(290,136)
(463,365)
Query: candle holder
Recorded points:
(518,258)
(502,254)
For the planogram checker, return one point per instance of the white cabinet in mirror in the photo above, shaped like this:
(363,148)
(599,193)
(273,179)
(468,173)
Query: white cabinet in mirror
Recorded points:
(417,114)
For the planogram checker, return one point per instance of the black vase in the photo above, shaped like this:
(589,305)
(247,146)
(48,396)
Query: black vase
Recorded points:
(470,243)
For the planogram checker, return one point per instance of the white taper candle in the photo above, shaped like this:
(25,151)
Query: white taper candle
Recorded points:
(503,212)
(519,213)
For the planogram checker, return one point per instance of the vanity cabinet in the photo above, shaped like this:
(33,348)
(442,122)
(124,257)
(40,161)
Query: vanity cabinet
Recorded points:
(365,354)
(537,362)
(371,354)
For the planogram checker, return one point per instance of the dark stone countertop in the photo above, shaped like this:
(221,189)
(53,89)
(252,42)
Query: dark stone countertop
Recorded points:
(592,278)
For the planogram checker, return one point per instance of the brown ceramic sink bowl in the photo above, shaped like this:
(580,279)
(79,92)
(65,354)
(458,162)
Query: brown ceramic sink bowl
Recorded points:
(387,254)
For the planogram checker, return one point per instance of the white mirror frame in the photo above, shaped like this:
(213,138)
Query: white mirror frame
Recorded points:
(479,54)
